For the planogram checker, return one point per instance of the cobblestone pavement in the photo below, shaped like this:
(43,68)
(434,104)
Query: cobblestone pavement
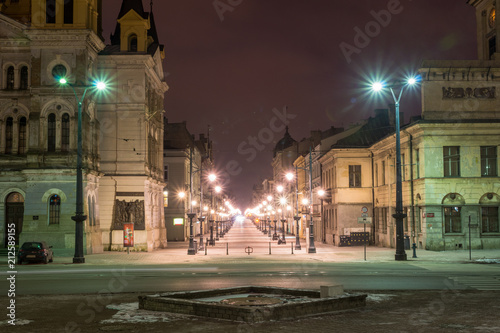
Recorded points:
(391,311)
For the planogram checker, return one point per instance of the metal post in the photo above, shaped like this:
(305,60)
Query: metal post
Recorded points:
(399,216)
(191,249)
(201,219)
(79,218)
(275,236)
(212,241)
(297,217)
(283,229)
(297,239)
(216,230)
(312,248)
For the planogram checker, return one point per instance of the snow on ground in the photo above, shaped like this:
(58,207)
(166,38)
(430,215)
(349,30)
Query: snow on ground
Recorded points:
(130,313)
(488,261)
(378,297)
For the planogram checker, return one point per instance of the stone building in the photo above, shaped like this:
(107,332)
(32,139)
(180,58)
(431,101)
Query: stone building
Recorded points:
(449,157)
(41,41)
(187,163)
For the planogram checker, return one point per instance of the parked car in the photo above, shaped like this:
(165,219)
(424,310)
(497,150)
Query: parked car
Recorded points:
(35,252)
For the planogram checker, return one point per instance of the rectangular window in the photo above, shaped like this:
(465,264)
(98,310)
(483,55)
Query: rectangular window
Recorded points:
(382,169)
(489,219)
(354,175)
(451,159)
(50,11)
(489,161)
(384,220)
(68,11)
(452,220)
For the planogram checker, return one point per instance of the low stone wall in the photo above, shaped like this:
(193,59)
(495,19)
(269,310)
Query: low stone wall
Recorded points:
(185,303)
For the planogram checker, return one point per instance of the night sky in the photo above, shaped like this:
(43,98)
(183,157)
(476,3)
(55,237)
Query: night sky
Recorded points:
(229,68)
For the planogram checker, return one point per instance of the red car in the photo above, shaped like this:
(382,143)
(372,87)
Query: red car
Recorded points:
(35,252)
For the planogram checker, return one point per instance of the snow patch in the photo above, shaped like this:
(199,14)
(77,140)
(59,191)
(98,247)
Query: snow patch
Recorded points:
(130,313)
(488,261)
(378,297)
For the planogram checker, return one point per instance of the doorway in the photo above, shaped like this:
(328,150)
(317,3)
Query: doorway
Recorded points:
(14,213)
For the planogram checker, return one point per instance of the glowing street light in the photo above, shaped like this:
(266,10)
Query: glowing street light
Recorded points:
(400,215)
(79,218)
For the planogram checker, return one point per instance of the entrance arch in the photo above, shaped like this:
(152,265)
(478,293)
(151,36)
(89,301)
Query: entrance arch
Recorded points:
(14,213)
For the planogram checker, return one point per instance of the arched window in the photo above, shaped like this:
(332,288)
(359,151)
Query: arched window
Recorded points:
(132,44)
(22,136)
(54,209)
(24,78)
(9,129)
(65,132)
(51,132)
(10,78)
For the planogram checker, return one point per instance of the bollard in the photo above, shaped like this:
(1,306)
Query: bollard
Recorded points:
(206,248)
(414,250)
(292,247)
(269,247)
(227,249)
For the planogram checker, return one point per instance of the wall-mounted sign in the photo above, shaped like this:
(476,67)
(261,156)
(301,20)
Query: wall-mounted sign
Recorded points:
(430,215)
(178,221)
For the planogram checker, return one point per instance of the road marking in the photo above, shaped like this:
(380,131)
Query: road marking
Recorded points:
(479,282)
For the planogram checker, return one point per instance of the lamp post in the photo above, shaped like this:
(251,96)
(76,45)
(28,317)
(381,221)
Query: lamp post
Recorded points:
(79,218)
(400,215)
(289,176)
(283,205)
(218,189)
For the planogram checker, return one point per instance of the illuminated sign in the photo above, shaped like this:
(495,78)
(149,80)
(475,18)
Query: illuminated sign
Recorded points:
(179,221)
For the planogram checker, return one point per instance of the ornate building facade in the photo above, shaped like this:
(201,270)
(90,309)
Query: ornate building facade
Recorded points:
(41,41)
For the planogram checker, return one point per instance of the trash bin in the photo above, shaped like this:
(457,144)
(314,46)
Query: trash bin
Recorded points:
(407,242)
(196,246)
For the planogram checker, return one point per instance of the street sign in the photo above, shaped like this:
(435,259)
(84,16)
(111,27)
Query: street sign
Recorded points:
(364,220)
(364,209)
(364,214)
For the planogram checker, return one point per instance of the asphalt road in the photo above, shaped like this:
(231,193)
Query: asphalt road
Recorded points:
(237,270)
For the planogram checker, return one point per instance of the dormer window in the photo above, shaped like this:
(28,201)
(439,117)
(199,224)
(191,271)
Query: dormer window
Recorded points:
(132,43)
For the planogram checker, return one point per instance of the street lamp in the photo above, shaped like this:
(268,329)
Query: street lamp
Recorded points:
(218,189)
(283,203)
(290,176)
(79,218)
(400,215)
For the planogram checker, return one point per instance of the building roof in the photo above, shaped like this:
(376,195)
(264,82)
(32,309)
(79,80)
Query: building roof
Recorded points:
(285,142)
(375,129)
